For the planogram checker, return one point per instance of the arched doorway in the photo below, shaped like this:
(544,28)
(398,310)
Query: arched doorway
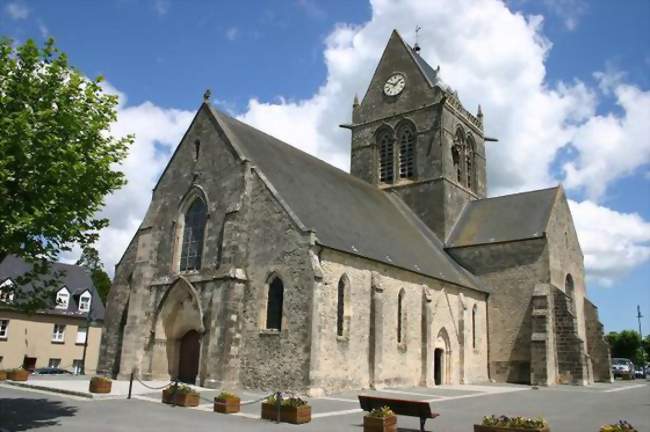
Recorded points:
(438,359)
(177,334)
(441,355)
(188,363)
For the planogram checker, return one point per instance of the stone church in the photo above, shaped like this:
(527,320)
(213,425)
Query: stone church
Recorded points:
(258,265)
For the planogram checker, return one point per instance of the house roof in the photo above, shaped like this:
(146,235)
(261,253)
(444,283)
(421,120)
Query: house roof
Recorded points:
(75,278)
(345,212)
(506,218)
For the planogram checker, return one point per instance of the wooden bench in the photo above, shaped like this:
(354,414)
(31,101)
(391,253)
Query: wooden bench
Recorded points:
(403,407)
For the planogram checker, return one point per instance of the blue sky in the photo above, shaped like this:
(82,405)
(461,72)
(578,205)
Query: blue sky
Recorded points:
(563,84)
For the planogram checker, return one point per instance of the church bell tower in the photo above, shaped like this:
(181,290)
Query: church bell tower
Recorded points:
(412,136)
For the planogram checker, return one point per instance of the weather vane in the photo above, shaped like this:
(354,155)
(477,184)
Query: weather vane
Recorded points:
(206,95)
(416,47)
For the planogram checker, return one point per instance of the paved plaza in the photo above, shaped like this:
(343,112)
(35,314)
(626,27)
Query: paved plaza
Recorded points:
(567,408)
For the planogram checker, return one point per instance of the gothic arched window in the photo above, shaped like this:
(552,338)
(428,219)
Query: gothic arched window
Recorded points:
(274,304)
(469,162)
(400,316)
(474,310)
(457,154)
(193,231)
(406,138)
(340,307)
(386,155)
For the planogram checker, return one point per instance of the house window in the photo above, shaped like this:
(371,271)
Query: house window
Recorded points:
(58,333)
(474,327)
(406,137)
(343,306)
(192,245)
(400,316)
(7,291)
(77,366)
(274,304)
(54,363)
(81,335)
(62,298)
(386,155)
(4,329)
(84,301)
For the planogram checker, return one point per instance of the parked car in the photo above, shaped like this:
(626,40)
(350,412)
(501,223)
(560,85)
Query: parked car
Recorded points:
(622,367)
(51,371)
(639,372)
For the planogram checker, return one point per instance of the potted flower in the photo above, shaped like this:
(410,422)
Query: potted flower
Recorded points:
(293,409)
(3,375)
(18,374)
(181,395)
(226,403)
(380,420)
(621,426)
(493,423)
(100,384)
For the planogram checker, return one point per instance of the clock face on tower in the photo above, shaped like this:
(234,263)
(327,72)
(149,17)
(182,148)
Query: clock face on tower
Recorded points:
(394,84)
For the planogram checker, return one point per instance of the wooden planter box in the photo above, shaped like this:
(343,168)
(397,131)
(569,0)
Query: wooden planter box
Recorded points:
(180,399)
(481,428)
(100,386)
(18,375)
(294,415)
(3,375)
(379,424)
(227,406)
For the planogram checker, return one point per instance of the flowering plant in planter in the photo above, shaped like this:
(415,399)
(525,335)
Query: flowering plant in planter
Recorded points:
(503,423)
(227,403)
(181,395)
(621,426)
(380,420)
(18,374)
(293,409)
(100,384)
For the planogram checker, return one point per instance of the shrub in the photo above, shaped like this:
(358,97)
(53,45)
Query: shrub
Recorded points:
(621,426)
(288,400)
(182,389)
(101,378)
(382,412)
(227,395)
(514,422)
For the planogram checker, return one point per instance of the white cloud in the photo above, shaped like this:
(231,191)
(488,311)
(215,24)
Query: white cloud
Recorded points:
(161,7)
(492,56)
(570,11)
(613,243)
(17,10)
(611,146)
(232,33)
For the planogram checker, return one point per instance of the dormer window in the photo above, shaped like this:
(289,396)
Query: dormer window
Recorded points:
(84,301)
(7,288)
(62,298)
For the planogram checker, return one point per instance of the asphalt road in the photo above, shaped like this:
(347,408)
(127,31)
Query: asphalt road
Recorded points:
(567,409)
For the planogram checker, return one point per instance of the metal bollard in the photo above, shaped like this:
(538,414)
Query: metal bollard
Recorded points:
(278,405)
(131,384)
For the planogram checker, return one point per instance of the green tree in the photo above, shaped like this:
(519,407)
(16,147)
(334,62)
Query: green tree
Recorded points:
(89,260)
(58,157)
(626,344)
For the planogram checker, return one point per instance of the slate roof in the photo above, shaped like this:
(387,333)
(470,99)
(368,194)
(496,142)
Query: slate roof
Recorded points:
(74,278)
(345,212)
(506,218)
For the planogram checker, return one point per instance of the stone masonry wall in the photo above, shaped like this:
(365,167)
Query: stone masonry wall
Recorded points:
(598,346)
(430,305)
(571,355)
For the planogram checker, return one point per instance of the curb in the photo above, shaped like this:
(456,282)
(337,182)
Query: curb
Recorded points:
(50,389)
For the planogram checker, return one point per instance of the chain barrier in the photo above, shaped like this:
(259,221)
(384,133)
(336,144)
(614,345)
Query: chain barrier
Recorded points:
(151,387)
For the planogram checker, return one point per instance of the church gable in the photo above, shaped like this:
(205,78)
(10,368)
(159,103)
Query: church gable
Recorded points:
(397,62)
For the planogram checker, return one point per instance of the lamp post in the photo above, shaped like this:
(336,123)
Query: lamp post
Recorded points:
(83,358)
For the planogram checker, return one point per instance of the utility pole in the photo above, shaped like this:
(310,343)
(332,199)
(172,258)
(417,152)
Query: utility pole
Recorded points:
(638,317)
(83,359)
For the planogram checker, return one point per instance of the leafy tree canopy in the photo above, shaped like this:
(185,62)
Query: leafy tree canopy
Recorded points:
(90,261)
(58,156)
(626,344)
